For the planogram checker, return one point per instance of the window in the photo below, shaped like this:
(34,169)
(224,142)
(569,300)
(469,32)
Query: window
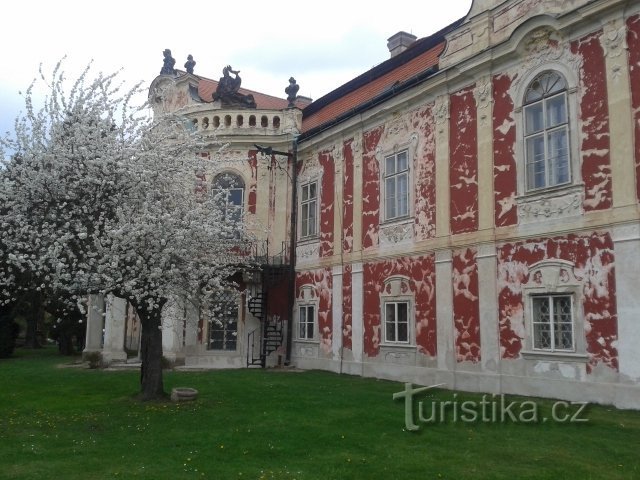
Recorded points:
(396,185)
(228,190)
(396,322)
(307,322)
(308,209)
(552,323)
(546,132)
(223,322)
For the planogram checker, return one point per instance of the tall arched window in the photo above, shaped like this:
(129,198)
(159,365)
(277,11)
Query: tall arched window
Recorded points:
(228,190)
(546,132)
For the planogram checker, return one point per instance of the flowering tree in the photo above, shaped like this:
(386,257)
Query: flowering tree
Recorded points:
(99,198)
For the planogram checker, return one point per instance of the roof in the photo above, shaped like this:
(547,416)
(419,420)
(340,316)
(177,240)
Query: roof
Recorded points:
(421,56)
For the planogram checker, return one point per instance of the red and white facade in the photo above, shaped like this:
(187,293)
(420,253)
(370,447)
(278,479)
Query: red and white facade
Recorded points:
(467,212)
(514,267)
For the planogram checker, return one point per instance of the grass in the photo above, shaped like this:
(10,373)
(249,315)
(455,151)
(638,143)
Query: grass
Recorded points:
(75,423)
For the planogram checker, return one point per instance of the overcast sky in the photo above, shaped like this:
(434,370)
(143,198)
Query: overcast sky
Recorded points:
(323,44)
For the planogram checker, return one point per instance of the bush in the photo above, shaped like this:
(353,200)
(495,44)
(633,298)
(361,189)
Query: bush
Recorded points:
(9,331)
(94,359)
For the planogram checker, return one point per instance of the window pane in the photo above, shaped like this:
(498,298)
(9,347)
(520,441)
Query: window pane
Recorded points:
(390,317)
(563,323)
(390,165)
(533,118)
(535,162)
(402,162)
(403,322)
(541,323)
(305,219)
(312,218)
(235,196)
(312,190)
(310,330)
(558,157)
(556,111)
(390,200)
(403,195)
(305,192)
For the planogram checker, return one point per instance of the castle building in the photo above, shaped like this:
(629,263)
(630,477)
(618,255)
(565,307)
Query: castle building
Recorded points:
(467,212)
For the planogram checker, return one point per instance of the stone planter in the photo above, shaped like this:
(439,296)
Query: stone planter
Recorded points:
(183,394)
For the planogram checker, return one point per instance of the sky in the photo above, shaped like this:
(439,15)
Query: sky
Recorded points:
(323,44)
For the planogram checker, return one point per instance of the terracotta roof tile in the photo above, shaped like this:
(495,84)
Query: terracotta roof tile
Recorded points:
(368,91)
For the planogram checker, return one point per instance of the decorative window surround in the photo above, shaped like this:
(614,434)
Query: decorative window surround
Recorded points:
(396,296)
(556,201)
(306,302)
(408,145)
(550,278)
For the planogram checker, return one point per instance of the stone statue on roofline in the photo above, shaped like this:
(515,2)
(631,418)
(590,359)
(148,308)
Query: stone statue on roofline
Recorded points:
(292,92)
(190,64)
(169,63)
(228,91)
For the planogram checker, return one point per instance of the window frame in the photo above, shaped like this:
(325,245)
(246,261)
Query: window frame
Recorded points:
(396,302)
(213,325)
(306,235)
(395,176)
(521,87)
(313,322)
(550,297)
(226,206)
(545,132)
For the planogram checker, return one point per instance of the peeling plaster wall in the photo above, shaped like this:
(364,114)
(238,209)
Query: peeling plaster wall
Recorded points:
(347,197)
(424,167)
(463,164)
(347,308)
(421,273)
(370,188)
(252,187)
(322,283)
(633,44)
(326,162)
(594,121)
(466,306)
(593,258)
(505,178)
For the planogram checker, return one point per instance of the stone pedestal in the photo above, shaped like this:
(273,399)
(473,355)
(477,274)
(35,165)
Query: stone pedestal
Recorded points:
(95,325)
(114,326)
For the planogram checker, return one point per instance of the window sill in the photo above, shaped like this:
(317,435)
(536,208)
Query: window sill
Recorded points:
(406,346)
(308,240)
(554,191)
(555,356)
(396,221)
(307,340)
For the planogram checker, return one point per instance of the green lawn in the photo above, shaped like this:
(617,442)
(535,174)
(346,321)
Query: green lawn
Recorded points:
(73,423)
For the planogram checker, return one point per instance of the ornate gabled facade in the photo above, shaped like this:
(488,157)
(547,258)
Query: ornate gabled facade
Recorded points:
(467,212)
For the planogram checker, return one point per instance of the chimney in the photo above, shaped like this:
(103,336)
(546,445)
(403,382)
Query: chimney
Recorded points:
(399,42)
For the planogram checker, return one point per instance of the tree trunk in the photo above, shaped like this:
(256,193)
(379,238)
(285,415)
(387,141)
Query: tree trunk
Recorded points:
(34,317)
(151,385)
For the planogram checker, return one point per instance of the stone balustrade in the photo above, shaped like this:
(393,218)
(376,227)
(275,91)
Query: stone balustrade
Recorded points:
(243,122)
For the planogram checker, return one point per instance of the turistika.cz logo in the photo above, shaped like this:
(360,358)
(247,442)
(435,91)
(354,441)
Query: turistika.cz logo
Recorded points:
(490,409)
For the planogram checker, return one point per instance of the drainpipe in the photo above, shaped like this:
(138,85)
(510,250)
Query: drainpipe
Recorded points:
(292,244)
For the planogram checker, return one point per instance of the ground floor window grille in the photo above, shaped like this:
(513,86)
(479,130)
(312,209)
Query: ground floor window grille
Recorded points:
(552,323)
